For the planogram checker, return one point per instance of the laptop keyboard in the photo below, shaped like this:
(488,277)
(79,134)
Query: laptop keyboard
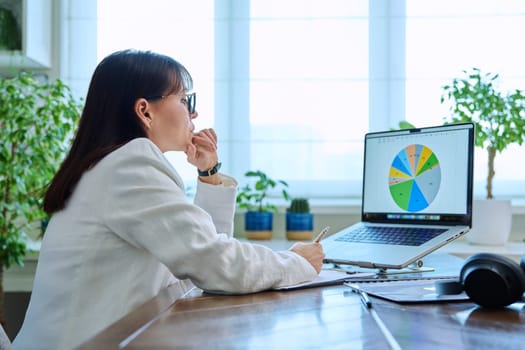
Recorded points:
(413,236)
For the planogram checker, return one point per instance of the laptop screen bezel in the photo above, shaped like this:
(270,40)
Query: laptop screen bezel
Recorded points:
(445,219)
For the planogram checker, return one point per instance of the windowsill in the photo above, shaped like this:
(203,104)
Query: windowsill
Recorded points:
(338,206)
(464,249)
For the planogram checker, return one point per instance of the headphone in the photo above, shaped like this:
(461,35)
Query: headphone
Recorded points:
(489,280)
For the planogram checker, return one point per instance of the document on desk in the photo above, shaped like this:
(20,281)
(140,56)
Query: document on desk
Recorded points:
(326,278)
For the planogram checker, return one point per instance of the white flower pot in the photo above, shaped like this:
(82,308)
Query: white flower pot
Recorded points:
(491,222)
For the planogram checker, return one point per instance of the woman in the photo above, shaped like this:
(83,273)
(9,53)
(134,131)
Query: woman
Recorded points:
(122,228)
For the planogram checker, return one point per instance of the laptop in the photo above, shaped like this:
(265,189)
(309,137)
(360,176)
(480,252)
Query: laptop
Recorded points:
(417,197)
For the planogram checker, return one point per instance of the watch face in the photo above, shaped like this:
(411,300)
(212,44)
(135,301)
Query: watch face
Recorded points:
(211,171)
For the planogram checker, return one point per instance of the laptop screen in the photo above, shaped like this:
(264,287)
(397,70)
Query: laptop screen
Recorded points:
(419,175)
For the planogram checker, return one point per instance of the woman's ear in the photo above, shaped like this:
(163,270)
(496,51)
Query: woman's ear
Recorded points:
(142,110)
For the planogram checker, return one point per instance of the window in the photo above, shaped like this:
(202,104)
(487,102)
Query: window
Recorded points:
(183,30)
(445,37)
(308,93)
(293,85)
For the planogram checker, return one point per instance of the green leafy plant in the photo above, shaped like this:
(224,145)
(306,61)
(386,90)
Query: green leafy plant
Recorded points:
(299,205)
(254,197)
(499,116)
(36,124)
(10,34)
(403,124)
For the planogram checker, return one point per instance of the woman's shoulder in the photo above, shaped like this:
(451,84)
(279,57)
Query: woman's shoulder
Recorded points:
(138,155)
(139,148)
(140,145)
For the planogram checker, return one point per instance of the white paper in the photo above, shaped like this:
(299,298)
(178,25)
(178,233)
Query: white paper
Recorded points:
(327,277)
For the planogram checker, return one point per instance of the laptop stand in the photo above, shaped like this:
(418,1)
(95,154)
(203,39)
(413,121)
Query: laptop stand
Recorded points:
(414,268)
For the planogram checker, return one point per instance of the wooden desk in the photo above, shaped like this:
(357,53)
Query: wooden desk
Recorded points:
(327,317)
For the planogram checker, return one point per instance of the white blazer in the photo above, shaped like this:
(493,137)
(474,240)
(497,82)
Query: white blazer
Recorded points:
(127,232)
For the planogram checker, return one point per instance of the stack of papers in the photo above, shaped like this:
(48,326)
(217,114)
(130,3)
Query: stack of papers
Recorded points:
(328,277)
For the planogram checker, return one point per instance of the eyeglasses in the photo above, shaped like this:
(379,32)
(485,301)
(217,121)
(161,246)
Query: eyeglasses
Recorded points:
(190,100)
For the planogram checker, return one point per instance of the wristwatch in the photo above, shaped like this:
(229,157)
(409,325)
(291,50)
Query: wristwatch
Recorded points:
(210,171)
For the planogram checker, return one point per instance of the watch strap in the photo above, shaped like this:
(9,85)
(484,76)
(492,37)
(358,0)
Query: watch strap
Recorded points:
(210,171)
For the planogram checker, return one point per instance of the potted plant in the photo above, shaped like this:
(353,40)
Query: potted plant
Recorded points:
(36,124)
(500,121)
(299,220)
(259,210)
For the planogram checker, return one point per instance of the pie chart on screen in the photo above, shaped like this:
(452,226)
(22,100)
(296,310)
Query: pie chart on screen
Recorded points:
(414,178)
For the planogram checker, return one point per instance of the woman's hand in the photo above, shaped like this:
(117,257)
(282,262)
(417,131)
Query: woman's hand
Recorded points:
(202,152)
(313,252)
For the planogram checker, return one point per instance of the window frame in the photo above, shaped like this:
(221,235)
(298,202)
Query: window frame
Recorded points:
(386,83)
(387,92)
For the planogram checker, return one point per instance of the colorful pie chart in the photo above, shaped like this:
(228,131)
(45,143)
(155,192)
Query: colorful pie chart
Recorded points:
(414,178)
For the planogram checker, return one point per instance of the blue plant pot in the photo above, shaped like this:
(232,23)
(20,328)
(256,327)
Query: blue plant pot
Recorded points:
(258,225)
(299,226)
(258,221)
(299,221)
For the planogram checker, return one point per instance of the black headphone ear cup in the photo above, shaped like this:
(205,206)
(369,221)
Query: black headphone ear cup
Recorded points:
(448,287)
(522,263)
(492,280)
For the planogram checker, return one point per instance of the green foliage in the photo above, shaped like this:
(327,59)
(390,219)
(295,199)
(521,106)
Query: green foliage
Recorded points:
(299,205)
(406,125)
(10,34)
(499,117)
(254,197)
(37,121)
(403,124)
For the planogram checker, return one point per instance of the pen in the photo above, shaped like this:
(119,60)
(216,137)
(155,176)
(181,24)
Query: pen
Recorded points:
(321,234)
(364,299)
(394,345)
(362,295)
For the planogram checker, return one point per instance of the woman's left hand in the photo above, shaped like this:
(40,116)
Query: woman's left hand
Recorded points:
(202,152)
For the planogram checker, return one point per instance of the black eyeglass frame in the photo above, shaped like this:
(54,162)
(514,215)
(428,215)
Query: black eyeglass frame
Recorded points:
(191,100)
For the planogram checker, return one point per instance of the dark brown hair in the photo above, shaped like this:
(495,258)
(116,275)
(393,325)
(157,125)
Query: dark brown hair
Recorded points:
(108,119)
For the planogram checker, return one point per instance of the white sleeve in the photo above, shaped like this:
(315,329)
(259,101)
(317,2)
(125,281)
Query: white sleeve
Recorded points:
(219,202)
(146,208)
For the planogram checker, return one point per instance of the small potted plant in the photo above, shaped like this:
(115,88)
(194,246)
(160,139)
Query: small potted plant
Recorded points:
(500,121)
(299,220)
(259,210)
